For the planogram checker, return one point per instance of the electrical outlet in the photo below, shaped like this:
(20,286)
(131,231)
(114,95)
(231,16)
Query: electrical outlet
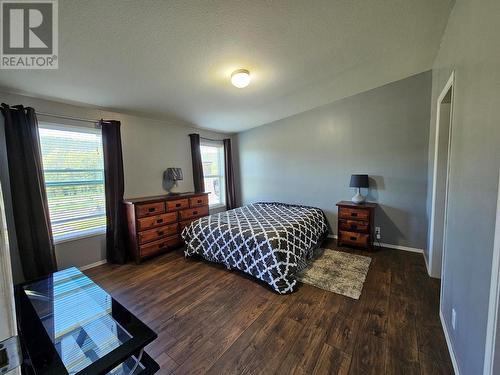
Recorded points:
(453,318)
(377,233)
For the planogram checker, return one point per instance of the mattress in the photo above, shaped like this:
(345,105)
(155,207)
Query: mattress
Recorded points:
(269,241)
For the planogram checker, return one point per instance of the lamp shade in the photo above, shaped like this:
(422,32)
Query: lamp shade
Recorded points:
(359,181)
(174,174)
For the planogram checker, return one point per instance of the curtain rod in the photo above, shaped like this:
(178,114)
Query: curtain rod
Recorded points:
(67,117)
(210,139)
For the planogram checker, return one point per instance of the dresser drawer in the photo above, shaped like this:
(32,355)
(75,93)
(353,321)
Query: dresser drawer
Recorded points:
(155,234)
(353,225)
(354,213)
(156,221)
(193,212)
(155,247)
(178,204)
(198,201)
(149,209)
(353,238)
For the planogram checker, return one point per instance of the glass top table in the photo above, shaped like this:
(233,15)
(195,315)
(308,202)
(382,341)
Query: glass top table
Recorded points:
(82,328)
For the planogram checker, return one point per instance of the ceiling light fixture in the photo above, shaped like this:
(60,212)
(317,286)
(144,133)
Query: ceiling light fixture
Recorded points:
(240,78)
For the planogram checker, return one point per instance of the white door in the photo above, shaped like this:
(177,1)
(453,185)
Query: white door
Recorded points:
(8,327)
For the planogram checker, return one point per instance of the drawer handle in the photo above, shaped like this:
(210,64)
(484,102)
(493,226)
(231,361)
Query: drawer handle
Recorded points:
(199,200)
(195,212)
(152,209)
(354,214)
(177,205)
(159,221)
(354,238)
(354,226)
(160,233)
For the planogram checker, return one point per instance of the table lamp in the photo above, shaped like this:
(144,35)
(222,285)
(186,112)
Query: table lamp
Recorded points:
(172,175)
(359,181)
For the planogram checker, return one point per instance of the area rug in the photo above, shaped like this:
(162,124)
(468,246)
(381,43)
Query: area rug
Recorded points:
(337,272)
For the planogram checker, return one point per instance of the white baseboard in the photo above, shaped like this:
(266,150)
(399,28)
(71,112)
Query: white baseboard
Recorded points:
(448,343)
(404,248)
(391,246)
(92,265)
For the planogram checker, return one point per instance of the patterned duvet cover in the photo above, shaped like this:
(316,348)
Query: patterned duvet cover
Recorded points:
(270,241)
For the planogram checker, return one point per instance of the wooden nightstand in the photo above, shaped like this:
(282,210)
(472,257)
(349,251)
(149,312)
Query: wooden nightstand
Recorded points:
(355,224)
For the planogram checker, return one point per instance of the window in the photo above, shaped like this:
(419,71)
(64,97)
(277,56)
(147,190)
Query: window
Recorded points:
(74,178)
(212,157)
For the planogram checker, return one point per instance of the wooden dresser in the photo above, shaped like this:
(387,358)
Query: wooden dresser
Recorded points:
(155,223)
(355,224)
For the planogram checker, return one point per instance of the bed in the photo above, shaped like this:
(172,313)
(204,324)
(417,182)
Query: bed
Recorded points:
(269,241)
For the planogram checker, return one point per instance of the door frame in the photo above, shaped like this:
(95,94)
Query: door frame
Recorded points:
(490,362)
(7,304)
(450,84)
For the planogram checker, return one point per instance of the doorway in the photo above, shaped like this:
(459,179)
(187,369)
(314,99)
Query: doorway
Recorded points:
(8,328)
(492,350)
(442,152)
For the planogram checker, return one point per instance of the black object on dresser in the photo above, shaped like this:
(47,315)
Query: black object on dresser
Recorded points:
(355,224)
(69,325)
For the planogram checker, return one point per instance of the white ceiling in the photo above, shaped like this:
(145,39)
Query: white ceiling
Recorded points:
(173,59)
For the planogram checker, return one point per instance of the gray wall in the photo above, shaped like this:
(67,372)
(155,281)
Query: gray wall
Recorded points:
(149,147)
(308,158)
(470,46)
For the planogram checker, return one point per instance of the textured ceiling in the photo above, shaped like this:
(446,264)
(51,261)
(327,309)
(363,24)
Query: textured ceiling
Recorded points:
(173,59)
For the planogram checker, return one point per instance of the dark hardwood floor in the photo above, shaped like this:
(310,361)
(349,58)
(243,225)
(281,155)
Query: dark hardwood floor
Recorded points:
(213,321)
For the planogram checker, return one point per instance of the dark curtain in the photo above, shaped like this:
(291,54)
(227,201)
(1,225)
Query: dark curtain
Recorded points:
(199,183)
(116,251)
(229,176)
(29,198)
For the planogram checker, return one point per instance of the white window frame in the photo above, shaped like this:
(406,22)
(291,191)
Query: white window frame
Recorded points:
(221,176)
(89,128)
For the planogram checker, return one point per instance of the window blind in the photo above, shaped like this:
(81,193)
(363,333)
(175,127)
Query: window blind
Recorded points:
(74,177)
(212,156)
